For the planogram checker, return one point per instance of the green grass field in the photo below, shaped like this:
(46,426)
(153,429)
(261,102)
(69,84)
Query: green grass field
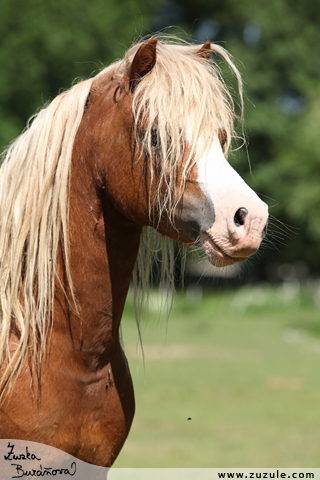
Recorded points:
(231,380)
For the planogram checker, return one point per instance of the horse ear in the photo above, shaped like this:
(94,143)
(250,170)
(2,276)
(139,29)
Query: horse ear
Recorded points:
(143,62)
(205,51)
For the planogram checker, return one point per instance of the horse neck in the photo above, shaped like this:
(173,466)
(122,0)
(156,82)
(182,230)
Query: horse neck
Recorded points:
(103,250)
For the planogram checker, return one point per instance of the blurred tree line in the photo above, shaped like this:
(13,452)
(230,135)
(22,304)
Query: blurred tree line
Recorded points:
(45,45)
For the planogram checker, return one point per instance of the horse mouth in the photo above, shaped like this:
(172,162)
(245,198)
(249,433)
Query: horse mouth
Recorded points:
(216,255)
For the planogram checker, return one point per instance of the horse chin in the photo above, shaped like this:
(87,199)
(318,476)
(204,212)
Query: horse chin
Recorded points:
(215,254)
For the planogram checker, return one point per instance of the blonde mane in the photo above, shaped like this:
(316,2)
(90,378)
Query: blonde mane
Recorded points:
(34,184)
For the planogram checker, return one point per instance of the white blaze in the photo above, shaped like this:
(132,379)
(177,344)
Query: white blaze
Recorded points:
(222,184)
(228,240)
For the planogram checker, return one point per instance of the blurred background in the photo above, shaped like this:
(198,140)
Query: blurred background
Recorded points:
(232,379)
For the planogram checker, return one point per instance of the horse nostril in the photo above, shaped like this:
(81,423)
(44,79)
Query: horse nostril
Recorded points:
(239,217)
(264,231)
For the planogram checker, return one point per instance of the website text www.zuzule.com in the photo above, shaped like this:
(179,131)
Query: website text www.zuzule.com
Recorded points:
(276,475)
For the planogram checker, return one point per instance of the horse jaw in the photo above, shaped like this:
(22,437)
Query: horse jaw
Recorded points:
(240,217)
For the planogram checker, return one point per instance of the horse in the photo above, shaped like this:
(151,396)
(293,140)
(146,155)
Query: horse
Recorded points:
(141,145)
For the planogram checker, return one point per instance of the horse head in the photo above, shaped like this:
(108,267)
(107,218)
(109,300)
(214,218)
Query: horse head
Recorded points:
(180,181)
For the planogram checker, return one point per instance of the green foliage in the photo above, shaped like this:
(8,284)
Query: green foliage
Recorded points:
(45,45)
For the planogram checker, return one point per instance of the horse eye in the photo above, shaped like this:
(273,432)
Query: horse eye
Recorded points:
(154,138)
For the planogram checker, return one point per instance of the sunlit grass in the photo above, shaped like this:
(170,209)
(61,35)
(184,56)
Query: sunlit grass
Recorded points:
(231,380)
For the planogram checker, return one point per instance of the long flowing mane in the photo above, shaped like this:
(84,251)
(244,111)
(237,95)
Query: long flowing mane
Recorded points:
(34,182)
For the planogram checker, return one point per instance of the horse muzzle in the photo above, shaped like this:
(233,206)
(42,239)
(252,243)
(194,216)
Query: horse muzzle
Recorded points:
(227,232)
(236,236)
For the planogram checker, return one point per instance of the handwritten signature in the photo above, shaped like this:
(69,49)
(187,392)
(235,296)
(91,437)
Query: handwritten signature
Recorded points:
(39,471)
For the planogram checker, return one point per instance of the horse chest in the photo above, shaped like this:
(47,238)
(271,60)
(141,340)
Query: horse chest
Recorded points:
(102,412)
(88,416)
